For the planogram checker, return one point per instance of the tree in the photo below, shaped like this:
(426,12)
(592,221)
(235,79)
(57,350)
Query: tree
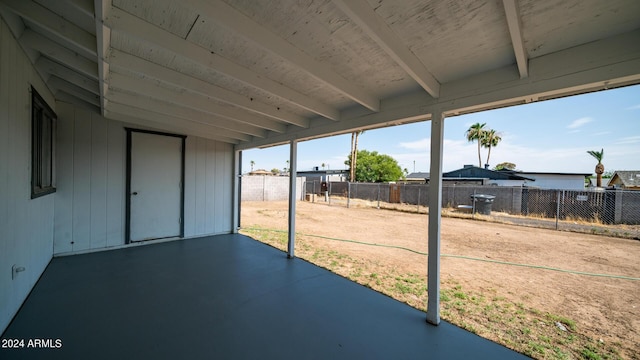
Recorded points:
(598,155)
(505,166)
(354,154)
(375,167)
(323,165)
(275,171)
(490,139)
(476,133)
(252,164)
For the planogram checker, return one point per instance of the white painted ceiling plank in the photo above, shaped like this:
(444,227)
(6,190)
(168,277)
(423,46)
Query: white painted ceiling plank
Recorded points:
(150,87)
(164,119)
(103,41)
(46,66)
(59,53)
(133,63)
(176,127)
(167,108)
(364,16)
(55,24)
(119,20)
(225,15)
(72,13)
(515,30)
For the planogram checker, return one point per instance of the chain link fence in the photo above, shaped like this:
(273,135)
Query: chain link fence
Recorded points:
(614,212)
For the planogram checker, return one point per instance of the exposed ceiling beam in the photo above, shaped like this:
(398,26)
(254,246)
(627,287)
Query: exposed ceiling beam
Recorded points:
(86,6)
(56,25)
(176,127)
(59,53)
(199,102)
(225,15)
(49,67)
(120,20)
(394,111)
(166,108)
(364,16)
(163,120)
(133,63)
(57,83)
(515,30)
(71,99)
(103,41)
(597,65)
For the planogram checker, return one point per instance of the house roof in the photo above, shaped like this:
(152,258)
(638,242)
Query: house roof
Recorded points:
(476,172)
(418,175)
(628,178)
(262,73)
(547,173)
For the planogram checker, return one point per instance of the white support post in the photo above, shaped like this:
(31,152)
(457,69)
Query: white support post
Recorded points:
(237,190)
(435,201)
(293,156)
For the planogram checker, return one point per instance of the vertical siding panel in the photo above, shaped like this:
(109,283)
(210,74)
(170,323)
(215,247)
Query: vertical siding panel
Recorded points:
(98,181)
(22,241)
(4,157)
(63,231)
(210,190)
(228,188)
(115,210)
(82,181)
(219,187)
(200,185)
(189,186)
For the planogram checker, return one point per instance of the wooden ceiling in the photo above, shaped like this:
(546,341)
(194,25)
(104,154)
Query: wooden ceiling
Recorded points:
(259,72)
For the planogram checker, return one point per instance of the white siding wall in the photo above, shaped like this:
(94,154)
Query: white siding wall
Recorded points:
(26,225)
(557,181)
(90,203)
(90,212)
(208,187)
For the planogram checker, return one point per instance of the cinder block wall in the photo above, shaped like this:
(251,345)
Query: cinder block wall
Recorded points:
(269,188)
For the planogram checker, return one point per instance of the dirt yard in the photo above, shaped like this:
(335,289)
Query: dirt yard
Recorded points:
(605,309)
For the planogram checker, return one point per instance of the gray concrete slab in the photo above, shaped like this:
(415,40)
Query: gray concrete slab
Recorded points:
(222,297)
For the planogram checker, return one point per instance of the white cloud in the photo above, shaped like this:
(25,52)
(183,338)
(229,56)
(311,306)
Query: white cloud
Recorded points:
(634,107)
(579,122)
(422,144)
(601,133)
(628,140)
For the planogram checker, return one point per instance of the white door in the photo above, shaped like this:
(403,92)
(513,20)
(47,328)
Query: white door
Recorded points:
(156,194)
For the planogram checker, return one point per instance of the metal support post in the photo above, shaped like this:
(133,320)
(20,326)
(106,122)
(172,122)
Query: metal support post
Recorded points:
(435,212)
(293,157)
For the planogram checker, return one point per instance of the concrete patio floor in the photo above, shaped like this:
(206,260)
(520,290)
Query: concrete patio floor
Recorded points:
(223,297)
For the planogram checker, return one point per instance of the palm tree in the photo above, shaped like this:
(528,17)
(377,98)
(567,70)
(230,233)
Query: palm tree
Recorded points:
(323,165)
(252,164)
(354,154)
(476,133)
(599,167)
(490,139)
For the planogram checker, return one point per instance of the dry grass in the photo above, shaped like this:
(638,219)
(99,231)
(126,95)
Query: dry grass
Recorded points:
(515,325)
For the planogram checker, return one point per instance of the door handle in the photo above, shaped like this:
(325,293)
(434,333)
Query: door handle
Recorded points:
(134,193)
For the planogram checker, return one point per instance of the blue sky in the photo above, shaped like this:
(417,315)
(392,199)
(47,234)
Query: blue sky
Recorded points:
(551,136)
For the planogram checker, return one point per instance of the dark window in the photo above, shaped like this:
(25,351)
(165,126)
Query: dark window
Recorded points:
(43,129)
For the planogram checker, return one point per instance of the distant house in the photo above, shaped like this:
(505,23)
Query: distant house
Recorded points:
(554,180)
(416,178)
(470,174)
(626,180)
(260,172)
(324,175)
(473,175)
